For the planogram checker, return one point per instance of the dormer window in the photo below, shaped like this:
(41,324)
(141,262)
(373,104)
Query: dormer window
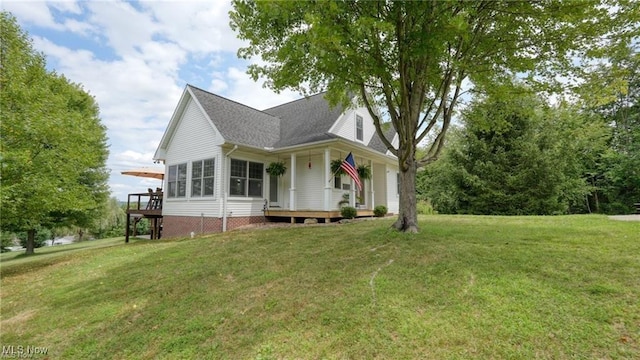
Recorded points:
(359,129)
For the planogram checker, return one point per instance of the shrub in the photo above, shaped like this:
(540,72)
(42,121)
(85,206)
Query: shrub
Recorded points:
(424,207)
(348,212)
(380,211)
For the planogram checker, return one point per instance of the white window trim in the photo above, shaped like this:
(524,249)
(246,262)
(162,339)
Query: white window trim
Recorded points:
(190,179)
(355,122)
(247,196)
(186,191)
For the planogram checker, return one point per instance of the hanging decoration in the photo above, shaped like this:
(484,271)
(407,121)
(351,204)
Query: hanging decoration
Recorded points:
(276,168)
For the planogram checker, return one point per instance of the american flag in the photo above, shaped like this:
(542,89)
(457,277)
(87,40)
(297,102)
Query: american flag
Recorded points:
(349,166)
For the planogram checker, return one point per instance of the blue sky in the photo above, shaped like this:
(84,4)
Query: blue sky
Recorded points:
(135,58)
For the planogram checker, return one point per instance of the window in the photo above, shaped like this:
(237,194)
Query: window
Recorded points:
(337,182)
(177,180)
(246,178)
(202,175)
(359,129)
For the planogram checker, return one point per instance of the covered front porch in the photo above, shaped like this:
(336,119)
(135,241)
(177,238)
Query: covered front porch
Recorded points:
(310,187)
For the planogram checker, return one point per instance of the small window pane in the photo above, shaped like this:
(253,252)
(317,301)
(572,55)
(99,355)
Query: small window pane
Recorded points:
(238,168)
(173,171)
(196,170)
(208,187)
(337,182)
(196,187)
(182,172)
(209,167)
(236,186)
(255,187)
(255,170)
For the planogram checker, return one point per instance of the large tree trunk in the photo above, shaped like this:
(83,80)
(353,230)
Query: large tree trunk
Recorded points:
(408,214)
(31,241)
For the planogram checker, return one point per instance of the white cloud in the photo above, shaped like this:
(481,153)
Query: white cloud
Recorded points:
(198,26)
(246,91)
(123,26)
(33,12)
(69,6)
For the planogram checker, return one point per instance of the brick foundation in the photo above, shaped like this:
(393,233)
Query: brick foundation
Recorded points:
(182,226)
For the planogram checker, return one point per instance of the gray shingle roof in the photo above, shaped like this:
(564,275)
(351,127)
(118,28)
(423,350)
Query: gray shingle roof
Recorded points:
(298,122)
(377,144)
(305,120)
(239,123)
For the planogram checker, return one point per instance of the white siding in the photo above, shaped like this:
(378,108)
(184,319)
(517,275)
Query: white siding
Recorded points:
(310,182)
(380,184)
(195,138)
(345,126)
(393,198)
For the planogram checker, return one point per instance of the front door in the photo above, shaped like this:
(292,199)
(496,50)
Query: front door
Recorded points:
(274,198)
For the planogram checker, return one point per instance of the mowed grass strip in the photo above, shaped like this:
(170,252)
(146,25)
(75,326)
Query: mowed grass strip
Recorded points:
(465,287)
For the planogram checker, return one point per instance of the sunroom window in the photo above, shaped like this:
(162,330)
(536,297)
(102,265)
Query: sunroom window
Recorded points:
(202,177)
(246,178)
(177,181)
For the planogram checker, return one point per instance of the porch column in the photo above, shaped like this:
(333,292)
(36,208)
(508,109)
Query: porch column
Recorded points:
(292,189)
(327,175)
(353,192)
(372,193)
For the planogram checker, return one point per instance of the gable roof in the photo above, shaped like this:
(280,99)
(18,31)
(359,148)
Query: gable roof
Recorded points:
(305,120)
(377,144)
(298,122)
(238,123)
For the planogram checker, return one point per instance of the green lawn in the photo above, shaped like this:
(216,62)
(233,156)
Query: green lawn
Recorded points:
(466,287)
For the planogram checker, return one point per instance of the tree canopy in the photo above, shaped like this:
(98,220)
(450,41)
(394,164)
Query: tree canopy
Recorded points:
(53,146)
(408,60)
(517,157)
(618,176)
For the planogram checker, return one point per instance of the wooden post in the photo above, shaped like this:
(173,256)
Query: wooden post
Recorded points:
(126,235)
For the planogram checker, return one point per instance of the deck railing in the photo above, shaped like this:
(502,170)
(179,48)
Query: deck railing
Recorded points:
(149,202)
(145,205)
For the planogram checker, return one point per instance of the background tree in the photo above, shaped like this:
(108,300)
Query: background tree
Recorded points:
(53,146)
(516,157)
(112,221)
(618,176)
(409,59)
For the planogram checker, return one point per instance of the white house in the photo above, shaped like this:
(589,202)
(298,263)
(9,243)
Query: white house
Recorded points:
(216,152)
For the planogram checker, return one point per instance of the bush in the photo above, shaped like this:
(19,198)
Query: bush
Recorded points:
(380,211)
(7,241)
(424,208)
(348,212)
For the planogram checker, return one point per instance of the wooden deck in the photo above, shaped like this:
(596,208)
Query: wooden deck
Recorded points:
(145,205)
(317,214)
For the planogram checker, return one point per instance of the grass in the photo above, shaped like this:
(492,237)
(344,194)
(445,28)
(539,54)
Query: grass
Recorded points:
(465,287)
